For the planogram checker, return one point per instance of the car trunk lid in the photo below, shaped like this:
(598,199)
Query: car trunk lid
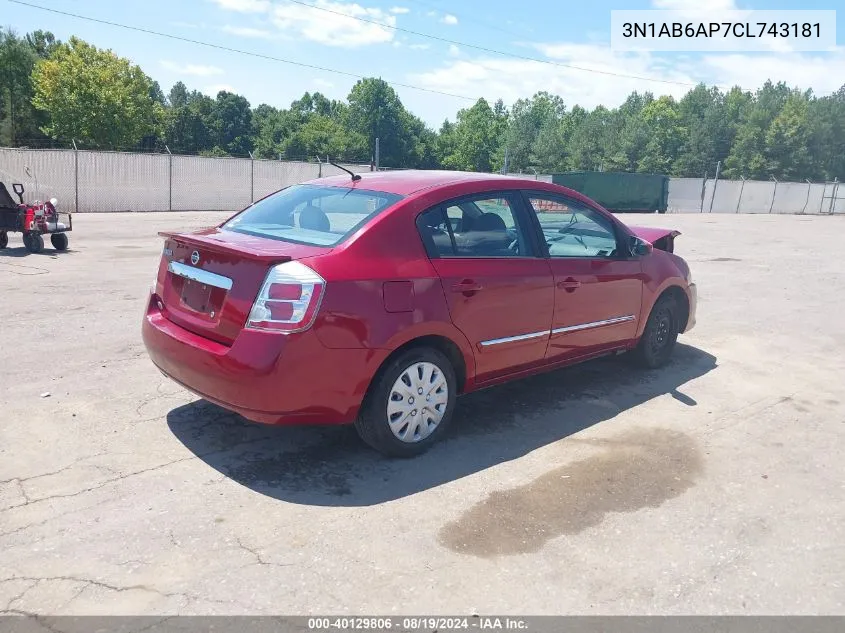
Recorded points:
(210,278)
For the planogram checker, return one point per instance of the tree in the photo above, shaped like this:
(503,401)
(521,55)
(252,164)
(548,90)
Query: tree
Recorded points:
(662,120)
(788,140)
(527,118)
(178,95)
(94,96)
(19,120)
(747,156)
(324,136)
(376,112)
(231,121)
(476,140)
(826,117)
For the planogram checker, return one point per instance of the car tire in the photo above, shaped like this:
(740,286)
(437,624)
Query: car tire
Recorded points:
(59,241)
(34,242)
(4,239)
(659,336)
(392,396)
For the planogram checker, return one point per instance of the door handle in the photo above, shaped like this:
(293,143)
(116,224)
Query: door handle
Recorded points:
(569,284)
(467,287)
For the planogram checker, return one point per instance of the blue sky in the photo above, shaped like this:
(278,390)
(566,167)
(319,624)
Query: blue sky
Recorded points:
(575,33)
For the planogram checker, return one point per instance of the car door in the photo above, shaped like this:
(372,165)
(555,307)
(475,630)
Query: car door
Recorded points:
(598,284)
(498,288)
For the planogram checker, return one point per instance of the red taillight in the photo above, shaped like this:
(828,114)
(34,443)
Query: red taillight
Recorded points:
(285,292)
(288,300)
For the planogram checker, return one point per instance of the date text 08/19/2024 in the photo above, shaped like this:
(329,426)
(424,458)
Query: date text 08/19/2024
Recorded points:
(417,623)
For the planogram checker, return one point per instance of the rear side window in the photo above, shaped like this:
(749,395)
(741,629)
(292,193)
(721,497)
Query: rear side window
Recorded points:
(478,227)
(310,214)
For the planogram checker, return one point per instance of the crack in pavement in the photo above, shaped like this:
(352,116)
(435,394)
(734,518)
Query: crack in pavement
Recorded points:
(88,583)
(200,456)
(18,597)
(55,472)
(258,559)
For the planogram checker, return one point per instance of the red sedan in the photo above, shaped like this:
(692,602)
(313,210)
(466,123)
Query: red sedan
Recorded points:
(377,299)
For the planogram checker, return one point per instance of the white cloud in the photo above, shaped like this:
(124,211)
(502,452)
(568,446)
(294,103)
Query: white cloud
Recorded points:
(802,70)
(322,83)
(196,70)
(244,6)
(454,51)
(332,29)
(449,19)
(511,79)
(248,31)
(419,47)
(399,10)
(212,90)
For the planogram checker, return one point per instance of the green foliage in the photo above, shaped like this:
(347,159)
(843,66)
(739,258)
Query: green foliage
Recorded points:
(76,91)
(475,139)
(94,96)
(20,122)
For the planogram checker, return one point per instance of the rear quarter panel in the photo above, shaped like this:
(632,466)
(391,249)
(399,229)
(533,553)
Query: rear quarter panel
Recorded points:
(354,312)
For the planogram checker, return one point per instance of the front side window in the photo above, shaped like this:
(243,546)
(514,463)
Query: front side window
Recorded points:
(484,226)
(572,229)
(311,214)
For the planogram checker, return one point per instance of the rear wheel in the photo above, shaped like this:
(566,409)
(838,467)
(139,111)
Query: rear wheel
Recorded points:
(4,239)
(59,241)
(660,335)
(34,242)
(410,405)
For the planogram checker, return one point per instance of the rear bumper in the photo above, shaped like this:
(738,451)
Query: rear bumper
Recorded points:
(693,305)
(264,376)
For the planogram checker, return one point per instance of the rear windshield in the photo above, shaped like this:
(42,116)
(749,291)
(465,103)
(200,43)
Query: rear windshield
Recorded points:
(311,214)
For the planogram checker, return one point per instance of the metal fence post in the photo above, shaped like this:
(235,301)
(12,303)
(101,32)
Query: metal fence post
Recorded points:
(75,177)
(833,195)
(703,192)
(741,187)
(251,178)
(169,179)
(774,193)
(715,184)
(807,201)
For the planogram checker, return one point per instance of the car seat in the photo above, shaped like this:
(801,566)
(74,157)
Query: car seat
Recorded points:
(314,218)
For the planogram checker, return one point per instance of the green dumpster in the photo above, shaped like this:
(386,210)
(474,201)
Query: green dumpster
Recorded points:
(618,191)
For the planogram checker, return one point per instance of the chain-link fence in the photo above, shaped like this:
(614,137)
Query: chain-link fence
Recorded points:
(699,195)
(91,181)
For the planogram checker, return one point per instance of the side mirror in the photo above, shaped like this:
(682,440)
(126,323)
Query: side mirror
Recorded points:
(18,189)
(639,247)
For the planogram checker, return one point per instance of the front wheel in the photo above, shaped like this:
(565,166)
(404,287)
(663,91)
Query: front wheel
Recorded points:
(660,335)
(410,405)
(34,242)
(4,239)
(59,241)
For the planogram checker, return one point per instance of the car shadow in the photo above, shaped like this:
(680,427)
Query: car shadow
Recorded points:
(330,466)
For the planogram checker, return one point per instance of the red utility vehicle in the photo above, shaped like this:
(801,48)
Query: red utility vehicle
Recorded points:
(377,299)
(33,220)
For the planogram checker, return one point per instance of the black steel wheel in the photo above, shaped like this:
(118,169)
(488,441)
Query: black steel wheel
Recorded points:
(34,242)
(59,241)
(660,335)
